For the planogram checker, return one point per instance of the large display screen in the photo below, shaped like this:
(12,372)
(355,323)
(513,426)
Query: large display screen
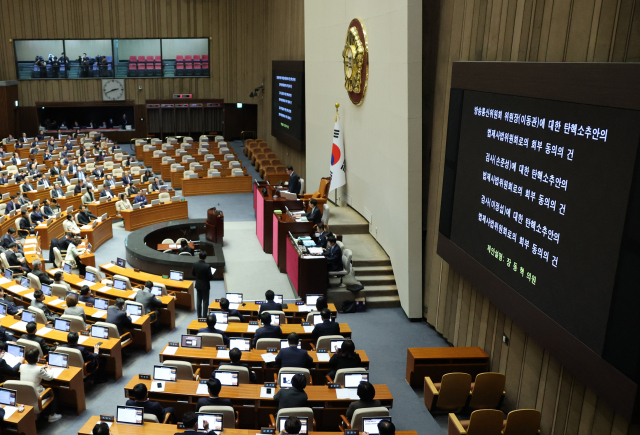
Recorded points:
(541,192)
(287,103)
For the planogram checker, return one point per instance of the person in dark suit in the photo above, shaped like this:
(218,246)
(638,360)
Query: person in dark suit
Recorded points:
(55,169)
(40,135)
(366,393)
(42,276)
(38,302)
(345,358)
(6,369)
(78,188)
(201,271)
(190,421)
(11,307)
(214,387)
(44,181)
(9,238)
(12,205)
(322,236)
(292,356)
(314,215)
(84,216)
(235,355)
(333,254)
(117,316)
(141,399)
(184,247)
(327,327)
(224,307)
(150,303)
(27,186)
(140,198)
(72,168)
(57,192)
(85,295)
(109,181)
(98,173)
(126,178)
(63,179)
(13,259)
(47,211)
(23,138)
(267,330)
(106,192)
(16,160)
(4,179)
(294,181)
(97,364)
(211,329)
(36,215)
(294,397)
(269,305)
(31,335)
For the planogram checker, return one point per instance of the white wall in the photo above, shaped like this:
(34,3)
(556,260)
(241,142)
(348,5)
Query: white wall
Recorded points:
(26,51)
(138,47)
(173,47)
(93,47)
(383,136)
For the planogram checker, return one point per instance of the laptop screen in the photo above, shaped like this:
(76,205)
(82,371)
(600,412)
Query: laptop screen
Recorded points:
(67,268)
(175,275)
(370,424)
(312,299)
(89,276)
(156,291)
(15,350)
(99,332)
(285,379)
(221,317)
(234,298)
(46,289)
(120,262)
(24,282)
(244,344)
(162,373)
(352,380)
(119,284)
(28,316)
(193,341)
(317,319)
(278,299)
(134,310)
(101,304)
(335,345)
(130,415)
(8,397)
(8,274)
(275,319)
(62,325)
(3,309)
(59,359)
(214,421)
(285,343)
(304,423)
(227,379)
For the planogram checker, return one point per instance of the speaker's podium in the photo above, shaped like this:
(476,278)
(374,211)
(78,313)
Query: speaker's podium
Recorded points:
(214,225)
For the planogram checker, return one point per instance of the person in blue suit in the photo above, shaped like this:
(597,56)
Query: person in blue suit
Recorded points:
(327,327)
(269,305)
(292,356)
(214,387)
(235,355)
(141,399)
(322,236)
(294,181)
(268,330)
(211,329)
(224,307)
(333,254)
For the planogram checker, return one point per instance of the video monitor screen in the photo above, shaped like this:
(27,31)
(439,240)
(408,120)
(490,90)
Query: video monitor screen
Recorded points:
(287,103)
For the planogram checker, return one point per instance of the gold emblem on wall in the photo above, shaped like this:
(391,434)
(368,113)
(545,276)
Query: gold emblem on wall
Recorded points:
(356,62)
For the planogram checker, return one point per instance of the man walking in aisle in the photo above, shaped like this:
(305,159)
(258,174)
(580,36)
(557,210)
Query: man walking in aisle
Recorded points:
(202,273)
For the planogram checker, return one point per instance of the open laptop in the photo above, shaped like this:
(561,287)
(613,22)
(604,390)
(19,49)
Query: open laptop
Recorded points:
(312,299)
(352,380)
(120,262)
(89,276)
(165,373)
(28,316)
(45,289)
(317,319)
(244,344)
(235,299)
(100,332)
(130,415)
(304,424)
(214,421)
(119,284)
(60,362)
(16,350)
(285,344)
(191,341)
(3,309)
(278,299)
(285,379)
(8,397)
(221,317)
(134,311)
(176,275)
(62,325)
(101,304)
(24,282)
(335,345)
(227,379)
(156,291)
(8,274)
(370,424)
(67,268)
(275,319)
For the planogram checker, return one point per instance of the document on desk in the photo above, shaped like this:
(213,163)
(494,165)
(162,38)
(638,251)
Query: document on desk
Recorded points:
(82,339)
(30,252)
(99,314)
(234,306)
(297,212)
(308,329)
(315,250)
(28,296)
(134,319)
(9,411)
(29,242)
(268,357)
(221,326)
(86,227)
(252,328)
(85,282)
(108,265)
(311,257)
(263,393)
(305,308)
(347,393)
(170,350)
(56,302)
(223,354)
(157,386)
(173,246)
(52,271)
(17,288)
(56,371)
(323,357)
(202,390)
(4,280)
(20,326)
(43,331)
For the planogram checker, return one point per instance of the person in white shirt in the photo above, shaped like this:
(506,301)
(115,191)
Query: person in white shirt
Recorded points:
(70,226)
(58,278)
(123,203)
(31,372)
(73,256)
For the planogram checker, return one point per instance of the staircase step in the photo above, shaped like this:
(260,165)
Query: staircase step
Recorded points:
(371,291)
(373,270)
(369,280)
(371,263)
(383,302)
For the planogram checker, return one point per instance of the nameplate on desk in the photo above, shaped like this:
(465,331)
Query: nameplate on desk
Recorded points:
(89,305)
(109,418)
(217,300)
(299,302)
(306,324)
(253,323)
(333,386)
(270,384)
(351,432)
(181,425)
(268,430)
(203,382)
(174,343)
(259,302)
(272,349)
(84,333)
(322,351)
(144,377)
(221,347)
(202,320)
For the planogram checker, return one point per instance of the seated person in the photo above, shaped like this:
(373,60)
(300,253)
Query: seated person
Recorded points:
(133,190)
(97,364)
(214,387)
(294,397)
(268,330)
(322,236)
(292,426)
(69,225)
(327,327)
(36,215)
(109,181)
(58,278)
(292,356)
(117,316)
(385,427)
(269,305)
(106,192)
(42,276)
(126,178)
(224,306)
(333,254)
(85,295)
(123,203)
(31,335)
(25,224)
(141,399)
(6,369)
(32,372)
(38,302)
(73,256)
(314,214)
(73,309)
(156,184)
(84,216)
(140,199)
(151,304)
(366,393)
(211,329)
(47,210)
(184,247)
(190,421)
(13,259)
(345,358)
(235,355)
(57,192)
(11,306)
(88,196)
(79,187)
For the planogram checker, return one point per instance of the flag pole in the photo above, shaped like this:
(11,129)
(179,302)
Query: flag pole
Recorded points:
(335,191)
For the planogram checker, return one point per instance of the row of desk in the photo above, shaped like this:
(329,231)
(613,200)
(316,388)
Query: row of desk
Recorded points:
(215,185)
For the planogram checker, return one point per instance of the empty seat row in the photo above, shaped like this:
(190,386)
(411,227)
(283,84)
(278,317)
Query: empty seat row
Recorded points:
(143,59)
(189,58)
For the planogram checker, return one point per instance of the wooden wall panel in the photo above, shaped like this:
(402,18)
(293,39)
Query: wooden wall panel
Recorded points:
(245,36)
(525,31)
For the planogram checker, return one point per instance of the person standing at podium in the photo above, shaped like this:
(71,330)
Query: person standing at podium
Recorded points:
(202,273)
(294,181)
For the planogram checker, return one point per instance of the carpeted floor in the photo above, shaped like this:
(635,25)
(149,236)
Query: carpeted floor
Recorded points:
(385,334)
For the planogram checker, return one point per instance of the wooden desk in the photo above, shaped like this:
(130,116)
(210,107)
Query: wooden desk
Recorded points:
(51,231)
(437,361)
(182,290)
(216,185)
(98,235)
(134,219)
(75,201)
(254,410)
(173,246)
(70,386)
(293,312)
(98,208)
(176,176)
(207,360)
(276,178)
(283,224)
(265,205)
(307,273)
(39,194)
(22,423)
(242,330)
